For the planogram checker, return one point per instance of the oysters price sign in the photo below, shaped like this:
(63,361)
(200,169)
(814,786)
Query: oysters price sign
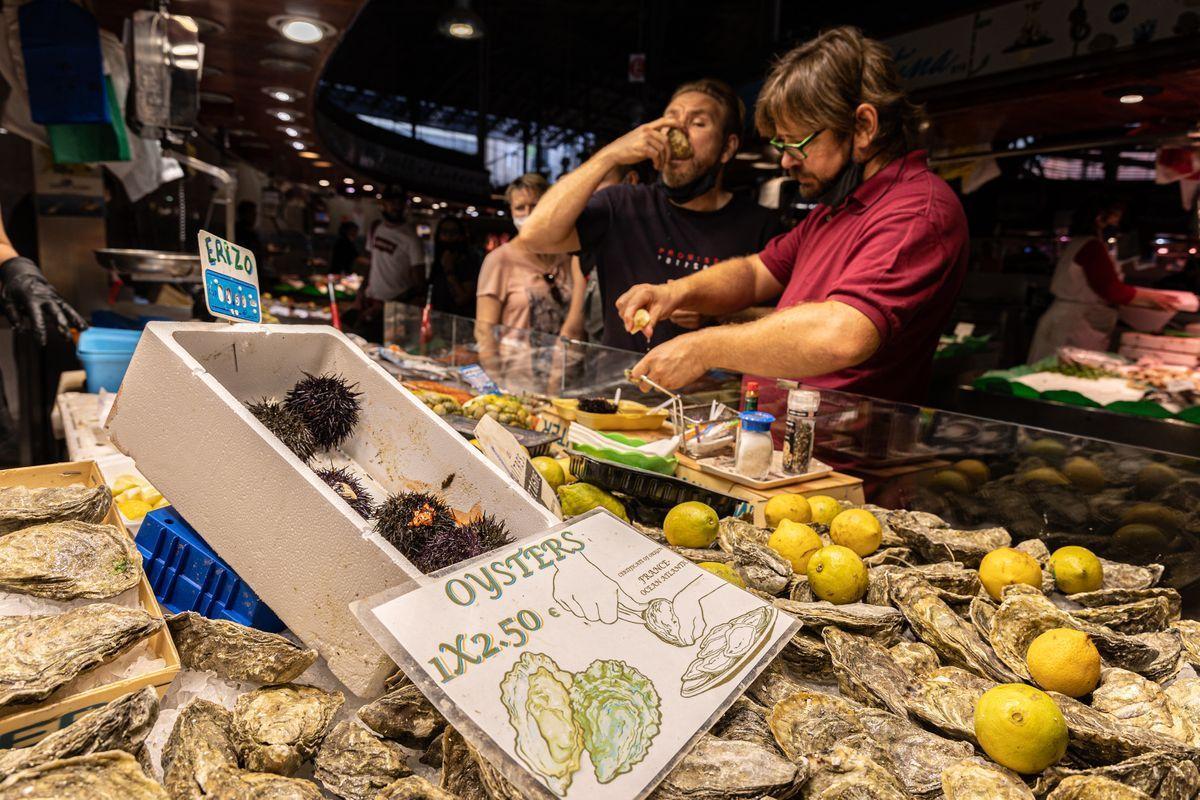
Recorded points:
(230,279)
(582,662)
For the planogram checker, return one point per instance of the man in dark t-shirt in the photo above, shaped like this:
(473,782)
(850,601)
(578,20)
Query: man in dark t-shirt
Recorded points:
(665,231)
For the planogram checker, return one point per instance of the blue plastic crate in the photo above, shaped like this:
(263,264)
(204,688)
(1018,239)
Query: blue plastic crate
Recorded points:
(105,354)
(188,576)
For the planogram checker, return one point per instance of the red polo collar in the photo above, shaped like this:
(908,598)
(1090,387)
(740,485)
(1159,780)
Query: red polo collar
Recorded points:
(869,192)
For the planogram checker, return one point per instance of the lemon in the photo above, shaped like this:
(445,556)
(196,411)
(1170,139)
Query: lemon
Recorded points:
(1064,660)
(1020,727)
(1139,536)
(641,318)
(134,510)
(796,542)
(1076,569)
(787,506)
(1084,474)
(976,471)
(824,508)
(857,529)
(1048,449)
(550,470)
(1153,478)
(1156,514)
(1005,566)
(124,482)
(837,574)
(1043,475)
(723,571)
(949,480)
(691,524)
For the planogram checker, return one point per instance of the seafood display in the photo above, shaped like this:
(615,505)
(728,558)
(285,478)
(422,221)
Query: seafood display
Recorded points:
(22,507)
(66,560)
(236,652)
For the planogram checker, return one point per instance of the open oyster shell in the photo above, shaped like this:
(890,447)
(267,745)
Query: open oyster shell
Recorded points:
(1093,787)
(866,671)
(21,507)
(200,742)
(354,764)
(277,727)
(719,768)
(66,560)
(881,623)
(236,652)
(112,775)
(403,714)
(977,779)
(679,145)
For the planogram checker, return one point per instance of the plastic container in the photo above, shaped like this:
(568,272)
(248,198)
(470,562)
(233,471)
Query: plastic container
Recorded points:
(798,438)
(188,576)
(754,446)
(106,353)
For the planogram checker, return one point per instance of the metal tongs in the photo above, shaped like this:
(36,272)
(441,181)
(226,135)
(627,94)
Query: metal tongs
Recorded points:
(671,396)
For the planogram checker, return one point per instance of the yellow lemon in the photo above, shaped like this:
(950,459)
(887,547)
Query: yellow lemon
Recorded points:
(787,506)
(1084,474)
(1064,660)
(824,508)
(796,542)
(1140,537)
(1047,449)
(691,524)
(976,471)
(1043,475)
(135,509)
(723,571)
(641,318)
(1156,514)
(550,470)
(1153,478)
(1020,727)
(857,529)
(837,574)
(1076,569)
(1005,566)
(951,480)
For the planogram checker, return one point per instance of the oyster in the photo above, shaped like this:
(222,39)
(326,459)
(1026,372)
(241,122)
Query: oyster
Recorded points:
(123,724)
(976,779)
(808,654)
(497,786)
(1098,738)
(1189,635)
(548,737)
(1142,703)
(1012,590)
(66,560)
(954,640)
(895,556)
(946,701)
(679,145)
(719,768)
(405,715)
(1156,774)
(866,671)
(618,709)
(915,658)
(726,648)
(39,654)
(199,743)
(460,773)
(236,652)
(277,727)
(1140,616)
(762,568)
(21,507)
(745,721)
(1119,597)
(354,764)
(111,775)
(950,577)
(911,753)
(414,787)
(982,611)
(697,554)
(809,723)
(779,681)
(732,531)
(944,543)
(236,784)
(847,773)
(799,590)
(1092,787)
(660,620)
(1120,575)
(881,623)
(1184,696)
(1022,618)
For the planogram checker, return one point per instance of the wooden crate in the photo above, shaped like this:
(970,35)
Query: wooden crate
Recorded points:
(24,725)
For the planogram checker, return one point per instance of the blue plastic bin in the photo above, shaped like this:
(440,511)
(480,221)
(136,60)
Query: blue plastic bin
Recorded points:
(106,353)
(187,575)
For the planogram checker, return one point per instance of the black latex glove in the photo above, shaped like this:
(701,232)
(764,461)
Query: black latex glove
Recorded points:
(29,301)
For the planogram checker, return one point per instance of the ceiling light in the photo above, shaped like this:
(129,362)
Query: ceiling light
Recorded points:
(416,199)
(185,49)
(765,165)
(310,154)
(1131,94)
(1162,251)
(293,132)
(461,22)
(1130,99)
(347,181)
(297,144)
(322,164)
(192,64)
(746,155)
(323,182)
(283,94)
(1191,250)
(500,213)
(368,187)
(349,190)
(285,114)
(304,30)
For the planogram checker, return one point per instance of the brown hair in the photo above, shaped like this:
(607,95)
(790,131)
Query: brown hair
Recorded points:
(531,181)
(732,107)
(820,83)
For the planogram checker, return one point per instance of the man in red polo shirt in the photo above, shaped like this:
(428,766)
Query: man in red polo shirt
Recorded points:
(866,283)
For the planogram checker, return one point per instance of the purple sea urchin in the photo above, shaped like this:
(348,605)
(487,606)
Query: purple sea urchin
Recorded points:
(328,405)
(447,549)
(597,405)
(489,532)
(287,427)
(409,520)
(349,488)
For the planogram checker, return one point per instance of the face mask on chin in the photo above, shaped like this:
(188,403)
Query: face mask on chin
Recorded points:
(518,222)
(849,179)
(689,191)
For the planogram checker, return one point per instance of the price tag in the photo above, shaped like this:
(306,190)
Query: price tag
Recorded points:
(503,448)
(583,662)
(230,279)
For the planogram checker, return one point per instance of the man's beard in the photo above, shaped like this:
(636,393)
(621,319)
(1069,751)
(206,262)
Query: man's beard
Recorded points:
(680,173)
(813,188)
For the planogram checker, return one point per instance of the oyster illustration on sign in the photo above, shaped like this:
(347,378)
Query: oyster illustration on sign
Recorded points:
(537,694)
(66,560)
(22,507)
(727,648)
(618,709)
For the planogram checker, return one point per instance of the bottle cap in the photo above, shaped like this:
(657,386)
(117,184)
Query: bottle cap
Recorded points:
(756,421)
(751,386)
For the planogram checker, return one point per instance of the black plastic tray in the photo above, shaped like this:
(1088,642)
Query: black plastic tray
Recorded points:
(536,442)
(651,494)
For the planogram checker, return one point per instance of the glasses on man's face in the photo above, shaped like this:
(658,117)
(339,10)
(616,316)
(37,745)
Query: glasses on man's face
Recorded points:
(795,149)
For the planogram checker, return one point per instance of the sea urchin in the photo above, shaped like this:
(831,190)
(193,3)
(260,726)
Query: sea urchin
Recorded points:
(597,405)
(349,488)
(286,426)
(409,520)
(490,533)
(328,405)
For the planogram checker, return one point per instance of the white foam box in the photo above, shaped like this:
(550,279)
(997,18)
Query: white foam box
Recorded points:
(1188,345)
(181,415)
